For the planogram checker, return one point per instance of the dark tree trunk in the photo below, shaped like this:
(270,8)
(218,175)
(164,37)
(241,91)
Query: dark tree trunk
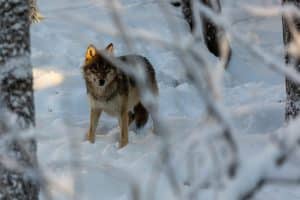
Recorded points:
(292,88)
(16,103)
(211,32)
(188,13)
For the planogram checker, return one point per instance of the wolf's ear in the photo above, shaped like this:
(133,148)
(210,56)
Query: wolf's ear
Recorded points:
(110,48)
(90,52)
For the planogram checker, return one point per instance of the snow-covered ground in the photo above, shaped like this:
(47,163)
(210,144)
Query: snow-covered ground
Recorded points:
(253,93)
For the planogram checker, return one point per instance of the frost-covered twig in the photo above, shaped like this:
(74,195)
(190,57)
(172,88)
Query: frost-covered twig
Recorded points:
(273,157)
(200,75)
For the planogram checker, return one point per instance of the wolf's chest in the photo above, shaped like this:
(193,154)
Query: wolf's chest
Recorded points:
(111,107)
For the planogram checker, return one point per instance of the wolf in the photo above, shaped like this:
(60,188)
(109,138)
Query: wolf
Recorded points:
(111,90)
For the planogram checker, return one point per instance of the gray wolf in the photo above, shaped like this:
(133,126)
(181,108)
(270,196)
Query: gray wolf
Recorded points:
(114,92)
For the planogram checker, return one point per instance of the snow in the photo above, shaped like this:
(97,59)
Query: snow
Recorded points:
(253,94)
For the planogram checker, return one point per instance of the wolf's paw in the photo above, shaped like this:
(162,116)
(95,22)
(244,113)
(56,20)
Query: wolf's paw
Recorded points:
(90,137)
(123,143)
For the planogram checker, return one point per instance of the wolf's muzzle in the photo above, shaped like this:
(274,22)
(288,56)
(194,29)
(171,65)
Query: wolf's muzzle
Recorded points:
(101,82)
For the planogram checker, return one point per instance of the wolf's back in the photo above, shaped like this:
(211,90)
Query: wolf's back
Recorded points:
(134,60)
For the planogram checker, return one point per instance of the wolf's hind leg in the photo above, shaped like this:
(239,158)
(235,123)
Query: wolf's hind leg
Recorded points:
(94,118)
(141,115)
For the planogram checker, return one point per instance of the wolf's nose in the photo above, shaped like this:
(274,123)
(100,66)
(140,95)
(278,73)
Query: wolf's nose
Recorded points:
(101,82)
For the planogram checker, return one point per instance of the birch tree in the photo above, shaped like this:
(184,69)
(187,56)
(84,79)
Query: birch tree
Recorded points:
(291,25)
(18,153)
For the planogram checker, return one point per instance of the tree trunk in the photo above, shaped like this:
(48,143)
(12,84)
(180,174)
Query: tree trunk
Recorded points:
(17,180)
(292,89)
(212,33)
(188,13)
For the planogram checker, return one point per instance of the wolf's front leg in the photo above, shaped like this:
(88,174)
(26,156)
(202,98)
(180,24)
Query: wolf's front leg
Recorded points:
(94,118)
(123,122)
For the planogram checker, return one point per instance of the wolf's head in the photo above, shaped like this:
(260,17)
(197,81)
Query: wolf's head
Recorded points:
(98,73)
